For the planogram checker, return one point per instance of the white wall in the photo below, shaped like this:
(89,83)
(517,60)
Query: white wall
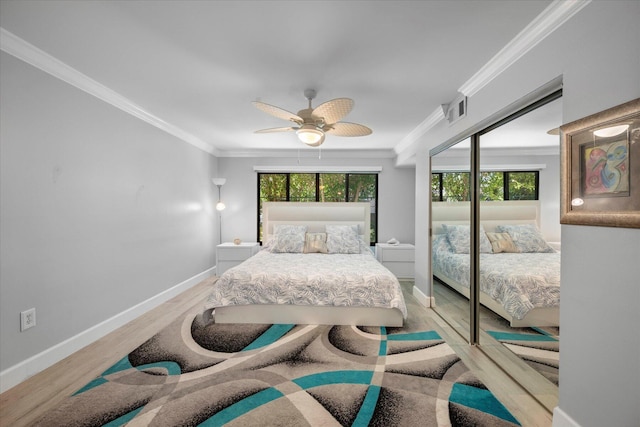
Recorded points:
(100,212)
(596,53)
(422,225)
(396,189)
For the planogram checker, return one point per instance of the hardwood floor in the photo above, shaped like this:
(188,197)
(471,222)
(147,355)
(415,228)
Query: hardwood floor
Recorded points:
(25,403)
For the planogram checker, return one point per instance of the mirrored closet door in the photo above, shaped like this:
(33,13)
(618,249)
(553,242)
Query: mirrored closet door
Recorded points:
(450,195)
(518,240)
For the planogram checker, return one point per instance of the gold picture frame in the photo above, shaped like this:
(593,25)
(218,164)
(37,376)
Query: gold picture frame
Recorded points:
(600,168)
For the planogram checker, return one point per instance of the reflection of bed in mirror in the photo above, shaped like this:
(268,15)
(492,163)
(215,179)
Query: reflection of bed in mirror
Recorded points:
(522,287)
(286,285)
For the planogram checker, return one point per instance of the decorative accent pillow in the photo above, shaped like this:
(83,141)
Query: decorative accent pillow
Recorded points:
(526,237)
(342,239)
(288,239)
(315,243)
(501,242)
(459,237)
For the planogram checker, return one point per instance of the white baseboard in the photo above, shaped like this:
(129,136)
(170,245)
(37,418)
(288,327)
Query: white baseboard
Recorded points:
(562,419)
(16,374)
(422,298)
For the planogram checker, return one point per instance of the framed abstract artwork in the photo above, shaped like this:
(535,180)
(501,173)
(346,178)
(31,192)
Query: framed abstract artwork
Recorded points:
(600,168)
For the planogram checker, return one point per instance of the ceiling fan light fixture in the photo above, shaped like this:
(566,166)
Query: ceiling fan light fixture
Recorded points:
(310,135)
(312,124)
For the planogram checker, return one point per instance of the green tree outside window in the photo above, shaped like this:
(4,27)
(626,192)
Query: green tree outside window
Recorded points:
(491,186)
(302,187)
(523,186)
(332,187)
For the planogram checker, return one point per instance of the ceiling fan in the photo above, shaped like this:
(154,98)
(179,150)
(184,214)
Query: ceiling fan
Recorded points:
(314,123)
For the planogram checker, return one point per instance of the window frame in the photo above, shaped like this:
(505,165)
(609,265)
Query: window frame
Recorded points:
(505,183)
(374,220)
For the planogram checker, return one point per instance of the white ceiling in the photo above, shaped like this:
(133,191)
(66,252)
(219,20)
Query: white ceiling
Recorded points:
(197,65)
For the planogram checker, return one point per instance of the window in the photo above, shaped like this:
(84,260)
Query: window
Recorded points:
(522,185)
(302,187)
(332,187)
(454,186)
(362,188)
(492,186)
(319,187)
(450,186)
(273,187)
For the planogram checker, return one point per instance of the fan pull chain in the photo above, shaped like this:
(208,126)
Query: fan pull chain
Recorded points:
(319,153)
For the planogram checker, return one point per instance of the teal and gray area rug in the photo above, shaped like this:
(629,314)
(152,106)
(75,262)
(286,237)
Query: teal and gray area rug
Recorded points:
(539,347)
(194,373)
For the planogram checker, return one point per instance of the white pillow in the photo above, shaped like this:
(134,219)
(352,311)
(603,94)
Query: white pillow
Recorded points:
(288,239)
(343,239)
(289,229)
(459,237)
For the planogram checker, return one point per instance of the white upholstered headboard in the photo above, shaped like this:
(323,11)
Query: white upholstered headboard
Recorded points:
(491,213)
(316,215)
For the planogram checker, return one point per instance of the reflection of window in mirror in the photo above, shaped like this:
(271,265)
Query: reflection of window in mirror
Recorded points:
(497,185)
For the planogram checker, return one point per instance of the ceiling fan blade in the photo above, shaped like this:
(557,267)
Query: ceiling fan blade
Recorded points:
(333,111)
(287,129)
(347,129)
(277,112)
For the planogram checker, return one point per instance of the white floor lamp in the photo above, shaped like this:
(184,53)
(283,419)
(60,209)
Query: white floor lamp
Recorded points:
(219,182)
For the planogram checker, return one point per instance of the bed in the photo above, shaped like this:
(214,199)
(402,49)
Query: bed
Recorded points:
(522,284)
(283,284)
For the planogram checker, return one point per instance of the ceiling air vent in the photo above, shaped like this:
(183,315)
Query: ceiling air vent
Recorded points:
(455,110)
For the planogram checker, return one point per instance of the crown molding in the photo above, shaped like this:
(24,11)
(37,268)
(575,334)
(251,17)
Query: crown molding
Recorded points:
(21,49)
(428,123)
(556,14)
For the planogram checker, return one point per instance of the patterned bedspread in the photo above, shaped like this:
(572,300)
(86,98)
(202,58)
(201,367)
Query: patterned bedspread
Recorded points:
(518,281)
(309,279)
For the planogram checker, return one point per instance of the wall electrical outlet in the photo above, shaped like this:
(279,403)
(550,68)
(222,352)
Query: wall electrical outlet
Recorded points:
(27,319)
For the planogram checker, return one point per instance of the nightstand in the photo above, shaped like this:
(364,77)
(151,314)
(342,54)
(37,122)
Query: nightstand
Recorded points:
(229,255)
(399,259)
